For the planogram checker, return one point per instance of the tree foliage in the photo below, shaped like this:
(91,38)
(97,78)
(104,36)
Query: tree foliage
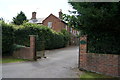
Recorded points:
(7,38)
(101,22)
(1,19)
(19,19)
(72,21)
(98,17)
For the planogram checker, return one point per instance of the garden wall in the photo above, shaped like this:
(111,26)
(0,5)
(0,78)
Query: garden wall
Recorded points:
(23,53)
(108,64)
(27,52)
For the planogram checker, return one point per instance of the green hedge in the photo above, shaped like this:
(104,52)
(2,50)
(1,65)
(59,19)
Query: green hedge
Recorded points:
(7,38)
(46,37)
(19,35)
(66,36)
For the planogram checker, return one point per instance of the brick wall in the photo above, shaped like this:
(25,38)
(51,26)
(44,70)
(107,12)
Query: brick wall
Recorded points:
(23,53)
(27,52)
(108,64)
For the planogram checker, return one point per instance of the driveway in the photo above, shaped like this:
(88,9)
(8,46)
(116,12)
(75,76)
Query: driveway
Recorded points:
(60,63)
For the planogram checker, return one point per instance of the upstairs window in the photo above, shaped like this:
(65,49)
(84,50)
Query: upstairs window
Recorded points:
(50,24)
(66,27)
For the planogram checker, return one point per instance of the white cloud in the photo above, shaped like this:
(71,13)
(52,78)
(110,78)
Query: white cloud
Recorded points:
(10,8)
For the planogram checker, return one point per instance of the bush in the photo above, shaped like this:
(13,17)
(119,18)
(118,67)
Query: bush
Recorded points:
(14,36)
(7,38)
(66,36)
(46,37)
(22,34)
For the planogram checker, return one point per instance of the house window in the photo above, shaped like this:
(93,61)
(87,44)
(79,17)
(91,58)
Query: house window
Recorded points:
(50,24)
(66,27)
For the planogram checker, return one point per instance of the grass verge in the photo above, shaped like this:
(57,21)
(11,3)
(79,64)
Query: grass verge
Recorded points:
(94,76)
(11,60)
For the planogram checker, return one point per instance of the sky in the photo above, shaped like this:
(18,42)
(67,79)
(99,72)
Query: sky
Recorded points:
(10,8)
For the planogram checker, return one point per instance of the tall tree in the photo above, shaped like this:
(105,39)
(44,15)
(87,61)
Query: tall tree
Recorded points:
(19,19)
(97,17)
(1,19)
(101,22)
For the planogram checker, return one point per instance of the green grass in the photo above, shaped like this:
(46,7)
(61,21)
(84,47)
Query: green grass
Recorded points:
(11,60)
(94,75)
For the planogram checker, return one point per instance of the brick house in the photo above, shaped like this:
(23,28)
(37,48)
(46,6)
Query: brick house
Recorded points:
(51,21)
(55,23)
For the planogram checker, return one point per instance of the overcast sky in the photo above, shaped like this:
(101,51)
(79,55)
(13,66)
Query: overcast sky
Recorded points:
(10,8)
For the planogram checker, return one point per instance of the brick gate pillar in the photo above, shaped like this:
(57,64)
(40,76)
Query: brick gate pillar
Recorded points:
(33,46)
(83,44)
(82,50)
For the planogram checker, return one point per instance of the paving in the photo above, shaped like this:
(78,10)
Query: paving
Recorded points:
(60,63)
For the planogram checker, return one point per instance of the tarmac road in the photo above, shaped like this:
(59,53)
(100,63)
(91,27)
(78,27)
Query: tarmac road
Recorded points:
(60,63)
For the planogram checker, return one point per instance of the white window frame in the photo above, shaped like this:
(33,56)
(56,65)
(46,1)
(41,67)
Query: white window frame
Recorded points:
(66,27)
(50,24)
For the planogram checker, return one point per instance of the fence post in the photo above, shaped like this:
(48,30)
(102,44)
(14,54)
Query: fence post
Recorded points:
(33,46)
(82,48)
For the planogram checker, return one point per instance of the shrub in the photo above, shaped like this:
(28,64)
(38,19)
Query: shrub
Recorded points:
(46,37)
(7,38)
(14,36)
(22,34)
(66,36)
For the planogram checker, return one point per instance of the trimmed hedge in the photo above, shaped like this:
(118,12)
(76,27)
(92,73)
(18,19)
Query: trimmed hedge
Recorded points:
(67,36)
(7,38)
(19,35)
(46,37)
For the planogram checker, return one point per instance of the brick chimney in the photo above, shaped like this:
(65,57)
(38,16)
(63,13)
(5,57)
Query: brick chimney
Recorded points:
(60,14)
(33,15)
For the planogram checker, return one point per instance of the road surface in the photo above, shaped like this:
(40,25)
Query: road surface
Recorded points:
(60,63)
